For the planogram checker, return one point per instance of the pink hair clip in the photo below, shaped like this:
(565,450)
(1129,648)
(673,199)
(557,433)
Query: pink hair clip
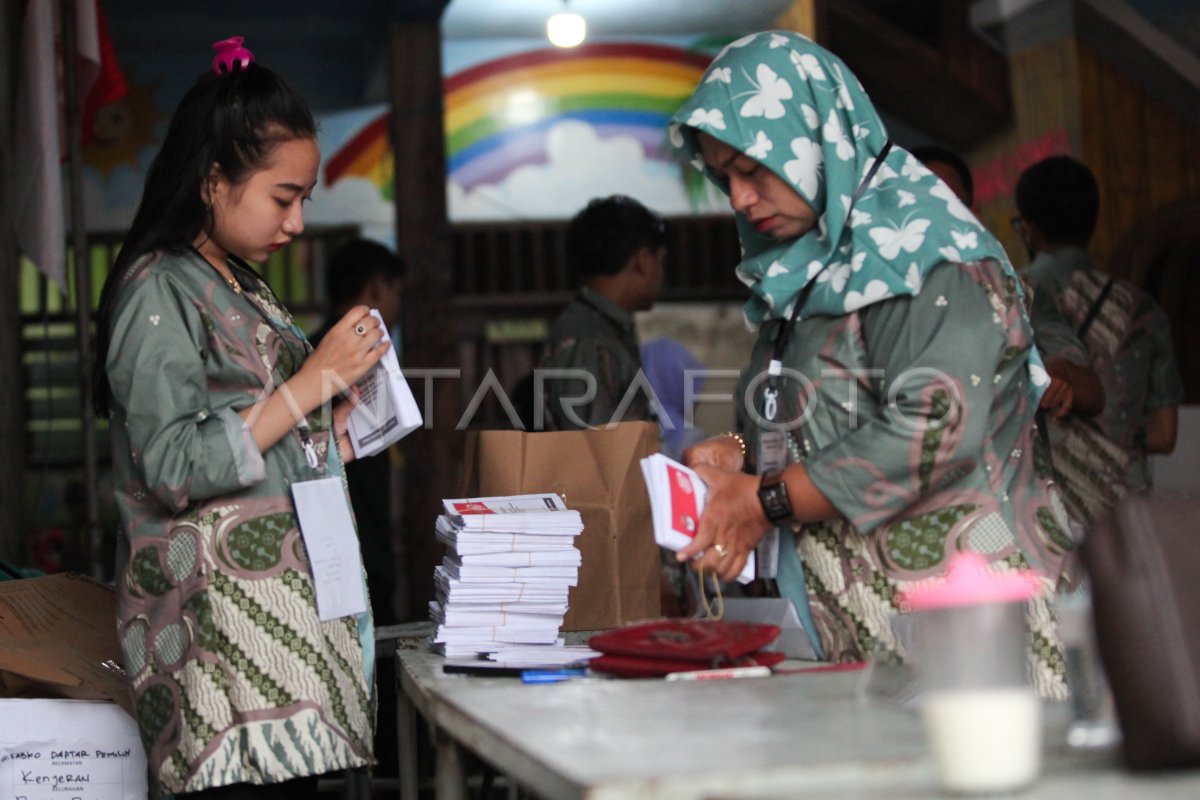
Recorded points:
(230,52)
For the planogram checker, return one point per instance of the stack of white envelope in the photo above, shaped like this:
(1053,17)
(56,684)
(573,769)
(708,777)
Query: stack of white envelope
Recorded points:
(503,584)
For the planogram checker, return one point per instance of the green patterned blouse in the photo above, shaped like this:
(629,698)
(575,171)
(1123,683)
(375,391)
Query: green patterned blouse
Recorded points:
(912,416)
(910,377)
(234,677)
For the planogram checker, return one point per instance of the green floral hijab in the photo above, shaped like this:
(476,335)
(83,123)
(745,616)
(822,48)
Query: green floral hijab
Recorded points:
(795,107)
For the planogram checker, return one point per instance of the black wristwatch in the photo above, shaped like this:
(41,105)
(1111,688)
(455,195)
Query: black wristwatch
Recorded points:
(773,496)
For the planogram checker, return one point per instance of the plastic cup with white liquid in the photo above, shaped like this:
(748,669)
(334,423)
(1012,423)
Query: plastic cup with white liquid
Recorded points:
(981,714)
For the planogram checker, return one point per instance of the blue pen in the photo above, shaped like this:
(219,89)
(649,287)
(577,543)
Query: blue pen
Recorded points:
(551,675)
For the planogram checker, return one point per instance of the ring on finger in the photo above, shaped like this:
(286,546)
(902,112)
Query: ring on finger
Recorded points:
(721,550)
(360,329)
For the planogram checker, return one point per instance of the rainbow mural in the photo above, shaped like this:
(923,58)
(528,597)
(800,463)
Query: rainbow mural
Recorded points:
(367,154)
(499,112)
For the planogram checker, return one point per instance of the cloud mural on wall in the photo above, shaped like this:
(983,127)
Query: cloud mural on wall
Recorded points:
(579,164)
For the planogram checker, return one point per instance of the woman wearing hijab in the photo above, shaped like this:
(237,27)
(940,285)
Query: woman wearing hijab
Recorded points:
(888,406)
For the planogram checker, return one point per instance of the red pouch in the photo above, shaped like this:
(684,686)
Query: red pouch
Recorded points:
(654,649)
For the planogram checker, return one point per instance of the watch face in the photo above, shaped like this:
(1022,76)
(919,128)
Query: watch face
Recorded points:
(774,499)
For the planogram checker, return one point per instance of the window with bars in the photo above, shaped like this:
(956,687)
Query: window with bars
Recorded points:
(530,259)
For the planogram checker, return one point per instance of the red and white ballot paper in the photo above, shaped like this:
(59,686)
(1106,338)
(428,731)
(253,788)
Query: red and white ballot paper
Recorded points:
(677,499)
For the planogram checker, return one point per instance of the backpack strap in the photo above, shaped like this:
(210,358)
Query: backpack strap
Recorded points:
(1094,311)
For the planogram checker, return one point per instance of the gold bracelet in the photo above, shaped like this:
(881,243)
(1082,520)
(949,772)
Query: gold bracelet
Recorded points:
(741,440)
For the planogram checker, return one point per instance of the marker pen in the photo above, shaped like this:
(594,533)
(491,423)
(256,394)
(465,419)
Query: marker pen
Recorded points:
(720,674)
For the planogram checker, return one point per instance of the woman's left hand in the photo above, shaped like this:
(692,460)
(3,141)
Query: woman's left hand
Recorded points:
(726,452)
(730,527)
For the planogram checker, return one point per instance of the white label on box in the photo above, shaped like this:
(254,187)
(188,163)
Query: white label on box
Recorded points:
(65,749)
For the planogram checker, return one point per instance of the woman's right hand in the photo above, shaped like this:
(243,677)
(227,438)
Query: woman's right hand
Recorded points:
(344,354)
(725,452)
(731,524)
(343,357)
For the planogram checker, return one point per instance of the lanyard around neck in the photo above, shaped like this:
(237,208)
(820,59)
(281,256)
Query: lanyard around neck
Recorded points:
(775,367)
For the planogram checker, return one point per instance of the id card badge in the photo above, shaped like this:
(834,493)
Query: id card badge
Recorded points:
(772,451)
(767,555)
(332,546)
(772,457)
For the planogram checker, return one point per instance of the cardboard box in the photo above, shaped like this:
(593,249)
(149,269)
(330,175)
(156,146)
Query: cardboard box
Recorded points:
(62,749)
(58,638)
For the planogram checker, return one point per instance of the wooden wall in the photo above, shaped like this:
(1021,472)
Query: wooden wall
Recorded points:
(1145,155)
(944,80)
(1067,100)
(801,16)
(1045,121)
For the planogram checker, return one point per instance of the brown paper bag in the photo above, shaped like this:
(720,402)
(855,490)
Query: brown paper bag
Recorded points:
(597,473)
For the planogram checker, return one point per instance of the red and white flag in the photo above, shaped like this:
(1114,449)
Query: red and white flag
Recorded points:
(41,132)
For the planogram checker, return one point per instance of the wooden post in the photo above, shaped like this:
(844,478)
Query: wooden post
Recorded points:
(802,16)
(90,537)
(433,454)
(13,522)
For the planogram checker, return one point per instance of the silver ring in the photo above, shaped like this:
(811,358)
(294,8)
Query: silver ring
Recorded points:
(360,329)
(720,548)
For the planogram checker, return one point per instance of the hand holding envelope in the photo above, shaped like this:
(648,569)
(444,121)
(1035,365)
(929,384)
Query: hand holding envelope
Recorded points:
(384,410)
(677,499)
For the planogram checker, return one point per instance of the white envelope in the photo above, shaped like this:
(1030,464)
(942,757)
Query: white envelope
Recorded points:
(386,411)
(677,499)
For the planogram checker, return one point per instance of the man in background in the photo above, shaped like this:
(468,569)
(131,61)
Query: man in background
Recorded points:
(1125,334)
(616,247)
(1074,387)
(363,272)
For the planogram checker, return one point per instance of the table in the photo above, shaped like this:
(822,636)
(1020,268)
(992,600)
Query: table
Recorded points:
(786,736)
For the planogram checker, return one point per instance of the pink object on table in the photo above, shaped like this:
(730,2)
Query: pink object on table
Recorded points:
(969,580)
(230,52)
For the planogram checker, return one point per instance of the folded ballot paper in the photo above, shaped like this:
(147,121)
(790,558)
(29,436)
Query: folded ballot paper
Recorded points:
(501,590)
(677,498)
(386,411)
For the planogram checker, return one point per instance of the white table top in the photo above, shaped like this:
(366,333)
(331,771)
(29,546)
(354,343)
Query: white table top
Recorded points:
(782,736)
